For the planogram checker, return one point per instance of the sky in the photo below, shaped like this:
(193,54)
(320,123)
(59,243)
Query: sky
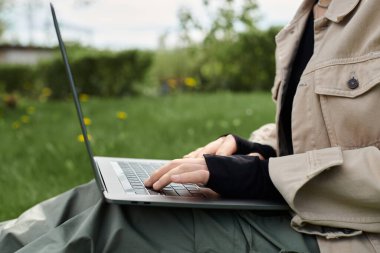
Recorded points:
(118,24)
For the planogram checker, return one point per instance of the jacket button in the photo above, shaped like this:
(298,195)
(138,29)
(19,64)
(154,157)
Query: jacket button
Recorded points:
(353,83)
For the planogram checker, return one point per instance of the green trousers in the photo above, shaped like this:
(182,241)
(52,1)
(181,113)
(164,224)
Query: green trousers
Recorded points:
(80,221)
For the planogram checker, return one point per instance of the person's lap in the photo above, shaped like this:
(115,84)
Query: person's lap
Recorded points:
(80,221)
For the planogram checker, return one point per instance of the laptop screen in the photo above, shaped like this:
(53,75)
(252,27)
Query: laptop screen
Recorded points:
(76,99)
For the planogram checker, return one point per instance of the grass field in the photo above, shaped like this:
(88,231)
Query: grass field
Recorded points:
(41,155)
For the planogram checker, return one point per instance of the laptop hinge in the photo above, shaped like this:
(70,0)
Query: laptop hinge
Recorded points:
(99,179)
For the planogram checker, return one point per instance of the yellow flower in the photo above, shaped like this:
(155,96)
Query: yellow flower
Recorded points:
(16,125)
(30,110)
(190,82)
(80,137)
(84,97)
(46,92)
(24,119)
(122,115)
(87,121)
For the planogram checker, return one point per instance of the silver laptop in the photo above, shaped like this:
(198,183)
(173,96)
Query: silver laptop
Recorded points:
(120,180)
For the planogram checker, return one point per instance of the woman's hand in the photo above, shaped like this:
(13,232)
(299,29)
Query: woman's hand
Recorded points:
(183,171)
(223,146)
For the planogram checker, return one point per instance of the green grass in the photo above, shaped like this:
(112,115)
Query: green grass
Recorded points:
(43,157)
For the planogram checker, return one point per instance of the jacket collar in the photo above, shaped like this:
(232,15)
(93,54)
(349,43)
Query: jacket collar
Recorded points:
(336,12)
(339,9)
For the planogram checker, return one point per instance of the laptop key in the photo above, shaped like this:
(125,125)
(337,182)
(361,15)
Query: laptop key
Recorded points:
(151,192)
(138,187)
(184,193)
(191,187)
(141,191)
(170,192)
(180,187)
(133,179)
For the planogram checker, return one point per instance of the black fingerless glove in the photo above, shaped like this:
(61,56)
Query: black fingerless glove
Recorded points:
(245,147)
(241,176)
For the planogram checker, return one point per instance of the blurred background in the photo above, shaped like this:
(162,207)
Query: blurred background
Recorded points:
(157,79)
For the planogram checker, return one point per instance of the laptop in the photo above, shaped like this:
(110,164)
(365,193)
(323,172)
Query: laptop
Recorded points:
(120,180)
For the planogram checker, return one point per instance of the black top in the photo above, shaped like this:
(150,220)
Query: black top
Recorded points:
(304,53)
(243,176)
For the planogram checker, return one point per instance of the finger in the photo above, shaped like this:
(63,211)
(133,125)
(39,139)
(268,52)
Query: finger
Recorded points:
(212,147)
(228,146)
(183,168)
(194,177)
(156,175)
(257,154)
(208,149)
(194,153)
(160,171)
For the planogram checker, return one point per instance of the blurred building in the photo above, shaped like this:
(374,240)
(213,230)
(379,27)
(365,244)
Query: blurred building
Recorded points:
(29,55)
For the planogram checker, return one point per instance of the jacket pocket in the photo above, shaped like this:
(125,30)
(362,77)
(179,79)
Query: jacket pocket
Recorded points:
(349,94)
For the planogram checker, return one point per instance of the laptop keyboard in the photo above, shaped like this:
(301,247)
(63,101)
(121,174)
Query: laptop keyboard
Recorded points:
(136,173)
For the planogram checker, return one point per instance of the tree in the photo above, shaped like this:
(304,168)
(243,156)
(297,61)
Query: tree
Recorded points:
(227,19)
(234,53)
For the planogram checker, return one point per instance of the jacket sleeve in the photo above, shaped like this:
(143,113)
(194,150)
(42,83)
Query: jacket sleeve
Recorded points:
(330,188)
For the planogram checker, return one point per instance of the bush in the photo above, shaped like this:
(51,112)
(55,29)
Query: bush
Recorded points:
(244,63)
(101,74)
(17,78)
(176,69)
(233,54)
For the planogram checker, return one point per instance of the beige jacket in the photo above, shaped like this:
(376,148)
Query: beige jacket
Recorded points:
(332,183)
